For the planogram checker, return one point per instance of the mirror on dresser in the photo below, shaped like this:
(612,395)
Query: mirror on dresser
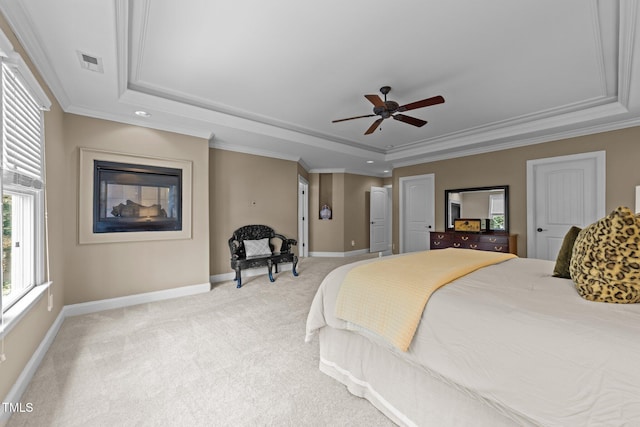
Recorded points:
(489,204)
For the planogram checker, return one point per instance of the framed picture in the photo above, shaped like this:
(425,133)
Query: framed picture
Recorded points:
(125,197)
(466,224)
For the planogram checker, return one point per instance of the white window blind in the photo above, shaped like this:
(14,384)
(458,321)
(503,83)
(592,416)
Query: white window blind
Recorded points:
(22,163)
(21,134)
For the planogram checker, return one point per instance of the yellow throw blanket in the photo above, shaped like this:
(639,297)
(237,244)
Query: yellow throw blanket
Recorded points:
(388,296)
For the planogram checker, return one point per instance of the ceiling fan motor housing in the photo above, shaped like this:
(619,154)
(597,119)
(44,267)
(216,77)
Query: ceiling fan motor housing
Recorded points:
(387,109)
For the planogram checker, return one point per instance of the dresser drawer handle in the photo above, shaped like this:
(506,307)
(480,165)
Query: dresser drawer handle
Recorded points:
(440,236)
(465,237)
(497,248)
(436,243)
(493,239)
(456,245)
(472,246)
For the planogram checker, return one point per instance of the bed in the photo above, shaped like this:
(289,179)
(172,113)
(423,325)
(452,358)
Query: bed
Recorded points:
(504,345)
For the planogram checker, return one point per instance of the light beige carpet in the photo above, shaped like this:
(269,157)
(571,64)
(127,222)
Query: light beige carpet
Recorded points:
(231,357)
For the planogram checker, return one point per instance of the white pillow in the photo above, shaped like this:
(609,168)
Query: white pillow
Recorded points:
(257,247)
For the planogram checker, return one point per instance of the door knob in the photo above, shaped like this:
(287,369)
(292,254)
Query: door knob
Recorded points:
(540,230)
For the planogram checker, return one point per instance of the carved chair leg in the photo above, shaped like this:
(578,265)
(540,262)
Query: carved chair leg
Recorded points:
(295,263)
(270,266)
(238,278)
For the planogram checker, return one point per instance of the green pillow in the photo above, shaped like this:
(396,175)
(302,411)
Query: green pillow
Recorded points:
(564,256)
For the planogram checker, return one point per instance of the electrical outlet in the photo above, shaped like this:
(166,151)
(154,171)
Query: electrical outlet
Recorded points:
(2,357)
(50,302)
(353,243)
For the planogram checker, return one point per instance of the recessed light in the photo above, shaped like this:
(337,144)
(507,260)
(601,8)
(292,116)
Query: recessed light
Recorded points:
(143,113)
(386,171)
(369,161)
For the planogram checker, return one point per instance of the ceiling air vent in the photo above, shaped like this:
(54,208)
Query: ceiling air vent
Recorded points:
(90,62)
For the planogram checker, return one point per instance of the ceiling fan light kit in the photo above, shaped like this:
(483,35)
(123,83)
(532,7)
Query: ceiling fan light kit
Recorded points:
(386,109)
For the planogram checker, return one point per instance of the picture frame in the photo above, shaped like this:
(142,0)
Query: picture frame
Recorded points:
(473,225)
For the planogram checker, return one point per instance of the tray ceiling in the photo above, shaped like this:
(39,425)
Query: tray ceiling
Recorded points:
(269,77)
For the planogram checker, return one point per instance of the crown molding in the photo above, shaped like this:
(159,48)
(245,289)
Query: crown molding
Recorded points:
(251,150)
(134,120)
(122,44)
(432,157)
(627,33)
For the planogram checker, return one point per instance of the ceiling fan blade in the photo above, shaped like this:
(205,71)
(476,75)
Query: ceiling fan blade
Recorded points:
(375,100)
(351,118)
(424,103)
(410,120)
(374,126)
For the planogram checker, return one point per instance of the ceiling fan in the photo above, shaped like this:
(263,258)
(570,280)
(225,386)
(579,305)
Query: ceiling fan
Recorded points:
(386,109)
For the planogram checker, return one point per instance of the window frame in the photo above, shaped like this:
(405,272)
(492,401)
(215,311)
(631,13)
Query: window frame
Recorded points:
(494,199)
(11,314)
(37,240)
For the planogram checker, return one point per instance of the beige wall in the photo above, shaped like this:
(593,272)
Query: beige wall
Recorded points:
(247,189)
(326,235)
(350,213)
(109,270)
(22,341)
(357,192)
(508,167)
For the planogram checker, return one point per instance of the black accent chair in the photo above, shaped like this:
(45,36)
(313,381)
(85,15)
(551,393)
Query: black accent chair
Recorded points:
(240,260)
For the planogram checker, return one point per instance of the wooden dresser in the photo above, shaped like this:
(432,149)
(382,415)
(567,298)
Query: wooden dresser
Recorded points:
(482,241)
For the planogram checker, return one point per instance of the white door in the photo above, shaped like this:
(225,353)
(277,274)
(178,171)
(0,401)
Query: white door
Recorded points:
(417,212)
(379,221)
(303,217)
(562,192)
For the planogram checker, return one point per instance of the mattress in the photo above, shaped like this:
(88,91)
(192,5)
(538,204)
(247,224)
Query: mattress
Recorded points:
(520,340)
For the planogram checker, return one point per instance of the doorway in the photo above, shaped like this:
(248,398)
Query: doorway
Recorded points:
(380,203)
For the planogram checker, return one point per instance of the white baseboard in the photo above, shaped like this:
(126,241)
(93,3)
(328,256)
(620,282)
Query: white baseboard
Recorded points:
(111,303)
(15,394)
(339,254)
(251,272)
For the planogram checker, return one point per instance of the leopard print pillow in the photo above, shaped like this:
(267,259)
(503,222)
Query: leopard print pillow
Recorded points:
(605,262)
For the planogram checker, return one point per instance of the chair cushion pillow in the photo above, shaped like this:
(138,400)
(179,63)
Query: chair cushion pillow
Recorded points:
(258,247)
(605,263)
(564,255)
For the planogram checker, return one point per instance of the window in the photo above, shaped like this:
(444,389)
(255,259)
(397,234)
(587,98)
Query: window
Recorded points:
(496,211)
(22,190)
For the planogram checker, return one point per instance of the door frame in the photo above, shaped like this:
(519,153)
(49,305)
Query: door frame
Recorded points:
(389,188)
(600,196)
(388,224)
(303,217)
(402,181)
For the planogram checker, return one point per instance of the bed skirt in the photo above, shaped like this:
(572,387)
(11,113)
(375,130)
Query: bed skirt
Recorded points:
(407,394)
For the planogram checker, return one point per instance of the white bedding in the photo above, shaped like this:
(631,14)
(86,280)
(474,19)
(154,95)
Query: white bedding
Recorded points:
(524,341)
